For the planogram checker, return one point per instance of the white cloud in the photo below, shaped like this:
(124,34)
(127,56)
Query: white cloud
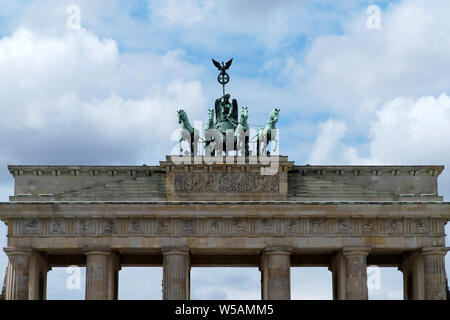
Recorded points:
(326,144)
(404,131)
(74,91)
(181,13)
(362,68)
(412,131)
(41,65)
(265,23)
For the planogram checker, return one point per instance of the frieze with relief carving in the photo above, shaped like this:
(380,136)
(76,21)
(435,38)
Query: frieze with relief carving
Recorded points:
(226,182)
(218,226)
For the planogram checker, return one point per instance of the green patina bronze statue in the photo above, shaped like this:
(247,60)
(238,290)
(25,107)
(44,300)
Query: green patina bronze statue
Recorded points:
(229,131)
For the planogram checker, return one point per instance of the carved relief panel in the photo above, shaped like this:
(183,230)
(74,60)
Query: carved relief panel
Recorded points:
(316,225)
(162,226)
(197,182)
(344,226)
(57,226)
(136,226)
(290,226)
(109,226)
(30,226)
(266,226)
(214,227)
(239,226)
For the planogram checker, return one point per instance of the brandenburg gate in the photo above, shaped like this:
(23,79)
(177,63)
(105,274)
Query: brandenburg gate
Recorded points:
(246,210)
(183,215)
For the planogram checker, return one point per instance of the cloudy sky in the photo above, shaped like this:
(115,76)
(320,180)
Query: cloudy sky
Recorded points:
(107,93)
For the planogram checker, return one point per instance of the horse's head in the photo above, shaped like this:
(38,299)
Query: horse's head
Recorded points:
(210,114)
(273,116)
(181,116)
(244,114)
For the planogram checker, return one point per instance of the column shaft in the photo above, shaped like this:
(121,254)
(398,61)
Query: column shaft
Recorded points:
(413,280)
(339,277)
(101,273)
(355,273)
(176,274)
(38,276)
(434,273)
(276,274)
(17,284)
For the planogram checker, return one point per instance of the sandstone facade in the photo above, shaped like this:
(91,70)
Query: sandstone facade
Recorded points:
(226,214)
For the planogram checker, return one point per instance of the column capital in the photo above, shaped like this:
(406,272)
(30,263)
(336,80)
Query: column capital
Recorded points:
(278,250)
(181,250)
(356,251)
(12,251)
(434,250)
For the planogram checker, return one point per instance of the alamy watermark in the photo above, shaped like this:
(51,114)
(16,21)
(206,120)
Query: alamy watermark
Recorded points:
(74,19)
(374,278)
(373,22)
(73,282)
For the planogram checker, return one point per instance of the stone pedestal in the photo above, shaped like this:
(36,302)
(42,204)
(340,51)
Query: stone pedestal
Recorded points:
(17,283)
(176,273)
(102,269)
(276,273)
(349,269)
(434,273)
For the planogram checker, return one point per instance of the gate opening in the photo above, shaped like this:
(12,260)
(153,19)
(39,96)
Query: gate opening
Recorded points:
(225,283)
(140,283)
(384,283)
(66,283)
(311,283)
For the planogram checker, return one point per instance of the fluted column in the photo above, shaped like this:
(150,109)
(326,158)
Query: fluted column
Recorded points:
(434,273)
(276,273)
(176,273)
(17,284)
(356,273)
(101,274)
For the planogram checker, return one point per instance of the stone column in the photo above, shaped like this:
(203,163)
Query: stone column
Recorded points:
(413,281)
(349,269)
(17,284)
(4,284)
(434,273)
(276,273)
(338,276)
(102,268)
(176,273)
(38,276)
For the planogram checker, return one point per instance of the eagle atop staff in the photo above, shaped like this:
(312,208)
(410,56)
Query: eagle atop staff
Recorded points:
(224,66)
(223,78)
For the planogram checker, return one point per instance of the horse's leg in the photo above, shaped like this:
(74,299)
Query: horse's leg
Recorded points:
(257,146)
(193,145)
(179,142)
(246,151)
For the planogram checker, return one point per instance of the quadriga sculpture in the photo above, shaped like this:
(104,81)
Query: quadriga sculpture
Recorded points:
(228,130)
